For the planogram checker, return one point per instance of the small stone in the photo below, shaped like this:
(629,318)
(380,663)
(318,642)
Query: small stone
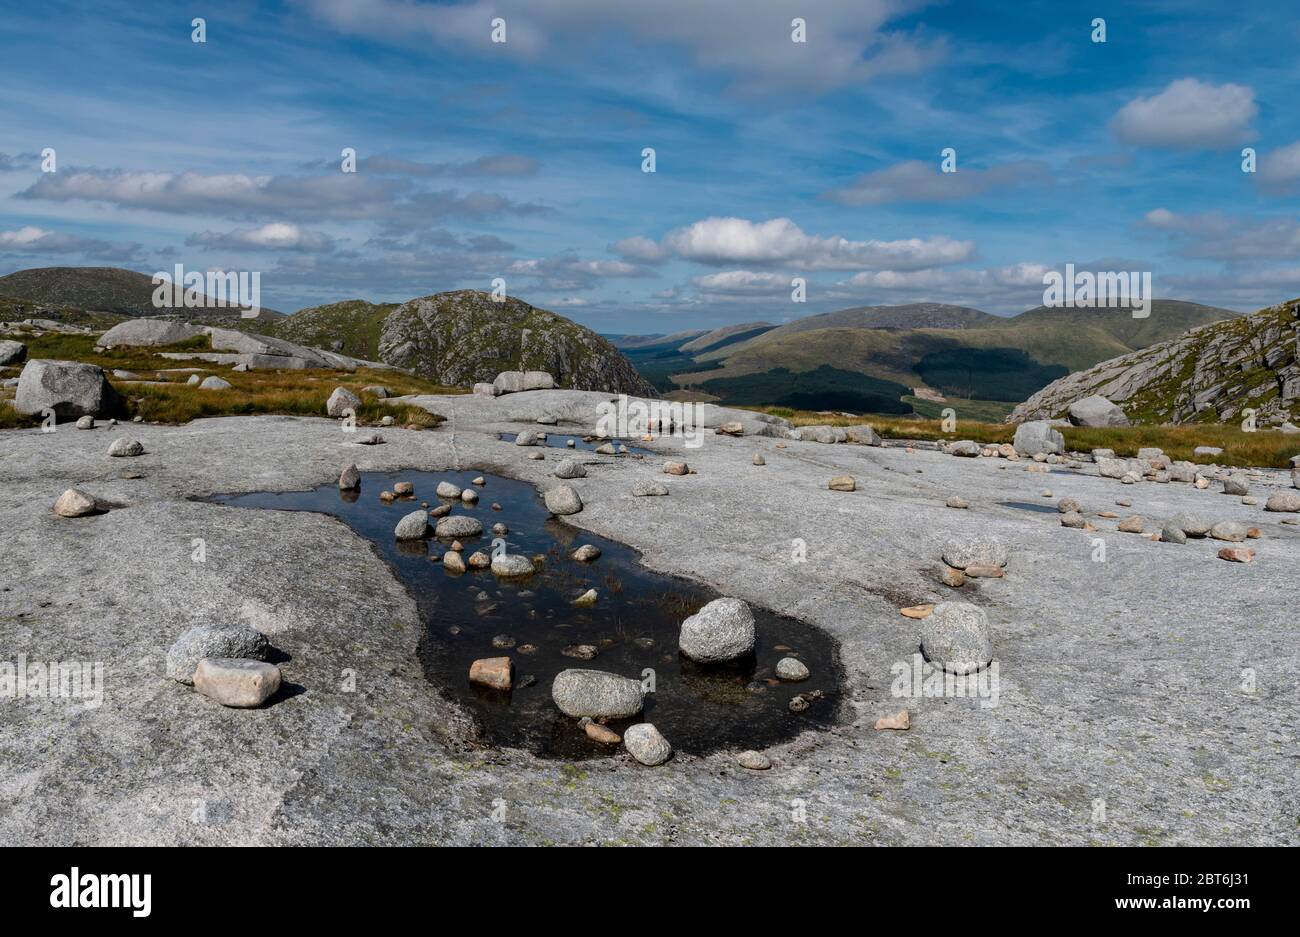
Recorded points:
(562,500)
(350,479)
(479,560)
(722,630)
(676,468)
(599,733)
(758,459)
(1230,531)
(453,562)
(957,502)
(754,761)
(414,526)
(536,456)
(570,468)
(586,553)
(952,577)
(1254,533)
(587,599)
(1073,519)
(500,529)
(452,528)
(480,481)
(1237,554)
(606,449)
(1237,484)
(441,510)
(646,744)
(1068,505)
(798,704)
(1283,501)
(124,447)
(86,422)
(581,651)
(918,612)
(597,694)
(74,503)
(237,683)
(649,490)
(469,496)
(985,572)
(510,565)
(1132,525)
(386,496)
(403,489)
(217,641)
(975,551)
(899,721)
(792,669)
(843,483)
(503,642)
(1172,533)
(341,401)
(494,672)
(956,638)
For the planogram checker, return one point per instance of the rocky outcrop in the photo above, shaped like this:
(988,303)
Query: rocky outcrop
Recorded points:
(463,337)
(1210,374)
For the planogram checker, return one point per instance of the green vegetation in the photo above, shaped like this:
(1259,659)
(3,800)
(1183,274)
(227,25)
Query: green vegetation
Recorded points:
(987,373)
(823,388)
(354,323)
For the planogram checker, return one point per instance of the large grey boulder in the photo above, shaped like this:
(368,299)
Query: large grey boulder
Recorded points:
(341,401)
(212,382)
(124,447)
(242,343)
(956,638)
(721,631)
(1096,411)
(538,380)
(69,388)
(596,694)
(512,564)
(12,352)
(975,551)
(1038,436)
(202,641)
(148,332)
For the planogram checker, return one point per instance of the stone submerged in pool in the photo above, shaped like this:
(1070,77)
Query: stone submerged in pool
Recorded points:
(634,627)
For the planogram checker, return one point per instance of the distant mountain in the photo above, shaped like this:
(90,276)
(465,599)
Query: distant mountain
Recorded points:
(1209,374)
(464,336)
(727,335)
(910,316)
(100,289)
(957,351)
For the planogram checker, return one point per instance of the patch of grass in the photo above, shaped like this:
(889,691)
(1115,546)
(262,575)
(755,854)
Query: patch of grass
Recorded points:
(300,393)
(1261,449)
(9,418)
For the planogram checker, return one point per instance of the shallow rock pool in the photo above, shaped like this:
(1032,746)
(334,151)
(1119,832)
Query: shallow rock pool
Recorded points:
(633,626)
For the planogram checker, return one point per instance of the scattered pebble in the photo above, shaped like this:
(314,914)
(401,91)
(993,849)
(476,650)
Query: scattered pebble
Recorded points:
(899,720)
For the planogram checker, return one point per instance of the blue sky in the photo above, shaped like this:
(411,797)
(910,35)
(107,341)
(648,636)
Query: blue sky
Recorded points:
(774,159)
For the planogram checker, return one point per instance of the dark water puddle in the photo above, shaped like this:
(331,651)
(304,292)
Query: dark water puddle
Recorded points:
(634,624)
(1047,507)
(556,440)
